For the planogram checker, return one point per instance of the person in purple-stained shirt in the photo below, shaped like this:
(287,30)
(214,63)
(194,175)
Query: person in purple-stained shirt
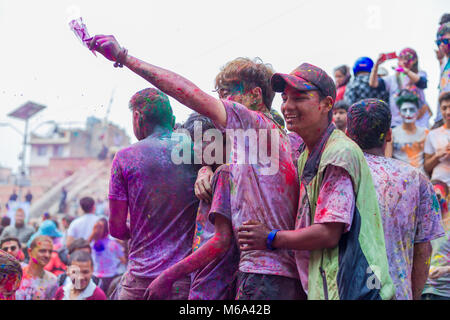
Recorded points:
(256,177)
(216,281)
(408,204)
(158,194)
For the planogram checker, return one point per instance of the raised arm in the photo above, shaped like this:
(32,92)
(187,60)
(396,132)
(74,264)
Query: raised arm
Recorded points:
(167,81)
(373,80)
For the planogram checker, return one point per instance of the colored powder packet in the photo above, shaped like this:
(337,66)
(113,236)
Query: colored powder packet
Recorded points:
(81,32)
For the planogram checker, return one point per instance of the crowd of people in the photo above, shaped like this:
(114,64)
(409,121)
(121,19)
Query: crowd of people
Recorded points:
(54,249)
(356,208)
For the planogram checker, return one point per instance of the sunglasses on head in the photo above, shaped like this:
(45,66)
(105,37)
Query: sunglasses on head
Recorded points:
(13,248)
(443,40)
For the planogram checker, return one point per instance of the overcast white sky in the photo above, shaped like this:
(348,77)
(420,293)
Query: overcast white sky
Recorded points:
(42,61)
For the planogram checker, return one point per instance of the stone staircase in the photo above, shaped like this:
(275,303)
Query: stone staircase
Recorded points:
(90,180)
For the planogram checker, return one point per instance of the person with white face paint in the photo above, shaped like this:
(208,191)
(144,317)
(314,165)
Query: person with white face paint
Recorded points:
(408,139)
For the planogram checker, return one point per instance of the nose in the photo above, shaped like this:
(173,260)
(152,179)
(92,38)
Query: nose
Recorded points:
(286,106)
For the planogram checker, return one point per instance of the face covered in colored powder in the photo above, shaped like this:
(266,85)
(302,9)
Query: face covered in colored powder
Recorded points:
(408,112)
(303,110)
(41,254)
(237,92)
(9,286)
(80,272)
(407,58)
(444,47)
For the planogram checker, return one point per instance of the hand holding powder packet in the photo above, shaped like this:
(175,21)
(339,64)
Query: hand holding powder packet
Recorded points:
(80,30)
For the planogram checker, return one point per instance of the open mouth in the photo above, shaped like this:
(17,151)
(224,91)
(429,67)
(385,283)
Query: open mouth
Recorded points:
(290,118)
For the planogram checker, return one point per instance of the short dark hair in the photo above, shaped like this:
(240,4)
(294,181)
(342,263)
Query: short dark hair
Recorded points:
(345,70)
(81,256)
(87,203)
(368,122)
(341,104)
(445,18)
(6,221)
(68,218)
(10,239)
(194,118)
(78,243)
(444,97)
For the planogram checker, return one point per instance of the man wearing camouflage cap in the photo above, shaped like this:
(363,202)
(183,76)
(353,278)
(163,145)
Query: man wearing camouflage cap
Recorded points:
(338,237)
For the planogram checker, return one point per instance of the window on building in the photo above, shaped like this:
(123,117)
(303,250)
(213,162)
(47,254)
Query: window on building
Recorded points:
(42,150)
(57,151)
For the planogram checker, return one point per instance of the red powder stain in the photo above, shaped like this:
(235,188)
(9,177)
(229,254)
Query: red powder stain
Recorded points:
(323,212)
(289,174)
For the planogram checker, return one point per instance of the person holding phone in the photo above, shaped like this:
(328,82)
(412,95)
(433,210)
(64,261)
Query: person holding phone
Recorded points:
(407,76)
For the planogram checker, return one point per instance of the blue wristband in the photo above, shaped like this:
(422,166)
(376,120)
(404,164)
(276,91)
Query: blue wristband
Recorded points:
(270,238)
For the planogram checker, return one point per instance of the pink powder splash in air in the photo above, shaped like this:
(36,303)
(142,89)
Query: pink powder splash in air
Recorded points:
(81,32)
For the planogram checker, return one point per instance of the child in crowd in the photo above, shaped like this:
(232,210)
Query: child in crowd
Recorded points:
(81,286)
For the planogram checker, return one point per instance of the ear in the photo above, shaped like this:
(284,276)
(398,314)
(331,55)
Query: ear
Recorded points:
(327,104)
(256,92)
(136,115)
(389,135)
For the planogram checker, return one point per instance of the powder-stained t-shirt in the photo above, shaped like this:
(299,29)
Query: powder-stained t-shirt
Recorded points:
(37,288)
(161,201)
(439,139)
(440,258)
(217,280)
(265,191)
(410,213)
(106,254)
(336,203)
(295,141)
(409,147)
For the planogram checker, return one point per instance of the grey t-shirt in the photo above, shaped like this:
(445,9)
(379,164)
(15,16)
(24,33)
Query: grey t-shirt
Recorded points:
(23,234)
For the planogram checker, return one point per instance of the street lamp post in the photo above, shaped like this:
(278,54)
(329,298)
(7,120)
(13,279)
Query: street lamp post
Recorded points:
(25,112)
